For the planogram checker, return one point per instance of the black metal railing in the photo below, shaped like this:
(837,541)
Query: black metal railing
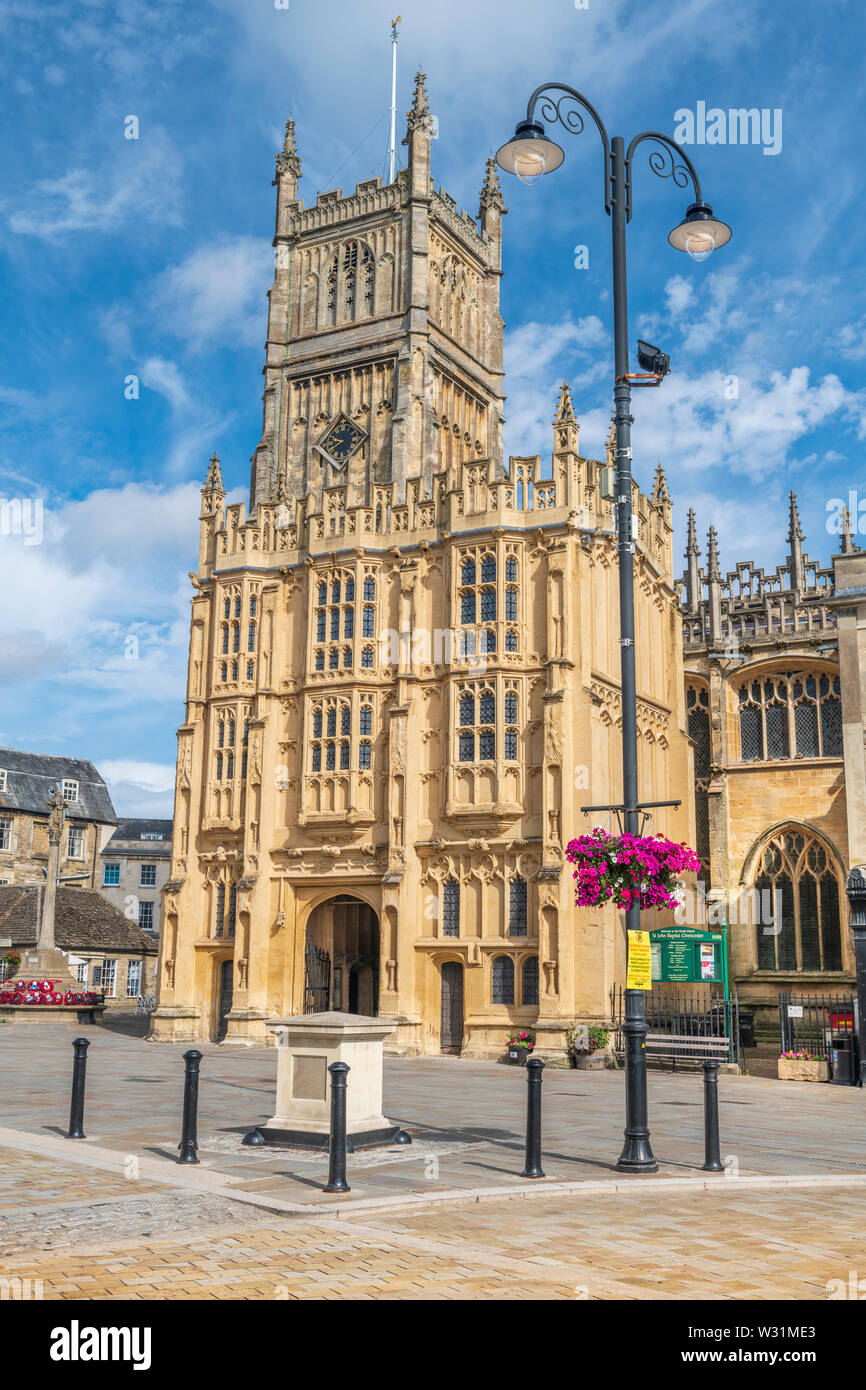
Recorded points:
(807,1022)
(684,1024)
(317,984)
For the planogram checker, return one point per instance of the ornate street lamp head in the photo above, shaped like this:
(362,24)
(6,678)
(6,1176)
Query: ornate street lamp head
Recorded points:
(530,154)
(699,233)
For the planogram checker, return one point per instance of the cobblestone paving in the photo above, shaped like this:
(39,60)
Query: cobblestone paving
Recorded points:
(71,1216)
(469,1116)
(598,1248)
(749,1245)
(37,1181)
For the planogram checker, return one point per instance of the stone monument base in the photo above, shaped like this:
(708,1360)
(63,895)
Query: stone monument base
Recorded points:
(306,1046)
(315,1139)
(52,1015)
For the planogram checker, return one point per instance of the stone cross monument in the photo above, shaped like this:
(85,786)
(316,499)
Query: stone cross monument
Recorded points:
(56,822)
(47,962)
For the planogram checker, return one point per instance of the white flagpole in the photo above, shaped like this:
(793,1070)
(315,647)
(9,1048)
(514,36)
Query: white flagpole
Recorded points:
(392,148)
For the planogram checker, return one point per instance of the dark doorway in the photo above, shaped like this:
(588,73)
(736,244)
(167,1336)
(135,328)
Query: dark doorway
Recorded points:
(451,1030)
(226,978)
(345,932)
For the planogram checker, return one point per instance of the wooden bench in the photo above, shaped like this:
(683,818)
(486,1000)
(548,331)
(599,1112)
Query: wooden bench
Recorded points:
(687,1047)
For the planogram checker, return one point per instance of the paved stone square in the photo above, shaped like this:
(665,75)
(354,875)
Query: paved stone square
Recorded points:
(114,1216)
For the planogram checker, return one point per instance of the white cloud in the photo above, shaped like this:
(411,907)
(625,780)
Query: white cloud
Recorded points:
(218,293)
(851,340)
(164,377)
(110,568)
(679,295)
(138,179)
(537,358)
(140,788)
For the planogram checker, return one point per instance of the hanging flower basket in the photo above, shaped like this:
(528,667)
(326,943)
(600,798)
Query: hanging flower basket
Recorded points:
(628,869)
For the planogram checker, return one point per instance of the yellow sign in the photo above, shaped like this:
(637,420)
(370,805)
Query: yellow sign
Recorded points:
(640,965)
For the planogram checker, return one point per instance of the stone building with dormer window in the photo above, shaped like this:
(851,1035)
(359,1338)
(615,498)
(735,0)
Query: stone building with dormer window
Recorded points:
(27,781)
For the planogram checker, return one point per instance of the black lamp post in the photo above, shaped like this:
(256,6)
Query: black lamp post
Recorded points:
(855,887)
(529,155)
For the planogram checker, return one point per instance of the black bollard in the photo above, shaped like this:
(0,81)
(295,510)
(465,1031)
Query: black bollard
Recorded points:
(533,1168)
(337,1140)
(712,1157)
(76,1109)
(189,1138)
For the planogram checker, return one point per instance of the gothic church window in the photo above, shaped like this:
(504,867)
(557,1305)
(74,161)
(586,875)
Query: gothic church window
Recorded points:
(791,714)
(698,715)
(517,905)
(451,908)
(503,980)
(530,980)
(798,895)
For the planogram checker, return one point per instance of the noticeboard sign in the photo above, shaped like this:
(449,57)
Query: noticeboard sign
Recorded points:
(688,955)
(639,966)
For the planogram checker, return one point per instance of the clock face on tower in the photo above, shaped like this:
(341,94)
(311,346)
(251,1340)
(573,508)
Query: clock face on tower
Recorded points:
(341,439)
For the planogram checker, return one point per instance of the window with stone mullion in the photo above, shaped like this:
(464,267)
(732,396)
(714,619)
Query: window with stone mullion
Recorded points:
(451,908)
(810,931)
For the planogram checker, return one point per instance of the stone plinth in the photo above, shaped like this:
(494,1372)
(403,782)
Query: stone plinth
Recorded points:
(804,1069)
(306,1047)
(52,1015)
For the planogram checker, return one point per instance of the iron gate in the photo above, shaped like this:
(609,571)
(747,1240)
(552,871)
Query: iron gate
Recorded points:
(808,1021)
(226,992)
(317,980)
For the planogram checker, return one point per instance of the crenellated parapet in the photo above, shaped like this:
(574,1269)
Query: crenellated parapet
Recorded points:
(467,495)
(749,605)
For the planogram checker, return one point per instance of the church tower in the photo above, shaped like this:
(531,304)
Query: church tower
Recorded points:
(404,666)
(384,353)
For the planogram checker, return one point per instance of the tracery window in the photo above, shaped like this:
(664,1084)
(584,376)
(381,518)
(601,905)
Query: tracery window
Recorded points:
(510,744)
(333,621)
(331,730)
(476,732)
(790,714)
(503,980)
(351,270)
(698,714)
(530,980)
(798,887)
(451,908)
(477,723)
(477,590)
(517,903)
(225,921)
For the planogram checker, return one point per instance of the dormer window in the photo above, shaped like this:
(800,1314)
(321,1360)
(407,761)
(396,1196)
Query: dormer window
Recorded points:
(3,776)
(70,789)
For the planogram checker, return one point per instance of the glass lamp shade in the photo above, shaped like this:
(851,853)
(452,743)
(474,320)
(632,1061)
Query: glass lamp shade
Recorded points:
(699,233)
(530,154)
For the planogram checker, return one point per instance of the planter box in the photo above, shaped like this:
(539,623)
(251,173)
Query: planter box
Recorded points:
(517,1056)
(809,1070)
(591,1061)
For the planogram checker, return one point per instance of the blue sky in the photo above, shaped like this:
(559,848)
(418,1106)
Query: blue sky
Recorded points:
(152,257)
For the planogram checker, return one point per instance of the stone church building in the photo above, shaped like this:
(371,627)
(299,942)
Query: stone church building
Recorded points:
(775,676)
(404,677)
(404,660)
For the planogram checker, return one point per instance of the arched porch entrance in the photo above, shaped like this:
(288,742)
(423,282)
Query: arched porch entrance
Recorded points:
(342,957)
